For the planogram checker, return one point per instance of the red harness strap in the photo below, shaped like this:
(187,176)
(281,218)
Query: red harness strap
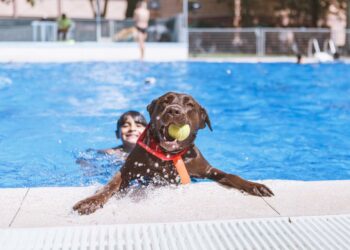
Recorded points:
(154,149)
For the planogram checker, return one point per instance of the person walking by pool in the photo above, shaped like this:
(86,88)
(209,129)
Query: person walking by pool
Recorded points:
(64,24)
(141,18)
(130,126)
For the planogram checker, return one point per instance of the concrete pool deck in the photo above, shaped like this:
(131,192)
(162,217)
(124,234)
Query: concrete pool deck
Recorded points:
(60,52)
(51,206)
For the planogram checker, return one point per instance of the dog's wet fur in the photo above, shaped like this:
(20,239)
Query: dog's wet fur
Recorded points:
(143,167)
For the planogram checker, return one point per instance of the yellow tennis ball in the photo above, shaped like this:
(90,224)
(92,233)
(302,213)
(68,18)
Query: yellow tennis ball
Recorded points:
(179,132)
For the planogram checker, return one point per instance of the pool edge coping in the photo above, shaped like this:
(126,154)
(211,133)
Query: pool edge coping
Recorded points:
(293,198)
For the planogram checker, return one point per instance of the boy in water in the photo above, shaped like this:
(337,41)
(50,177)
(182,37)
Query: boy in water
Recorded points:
(129,127)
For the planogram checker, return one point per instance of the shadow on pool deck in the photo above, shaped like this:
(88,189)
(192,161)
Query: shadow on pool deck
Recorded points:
(49,207)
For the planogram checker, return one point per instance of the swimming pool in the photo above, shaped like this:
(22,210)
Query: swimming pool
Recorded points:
(270,120)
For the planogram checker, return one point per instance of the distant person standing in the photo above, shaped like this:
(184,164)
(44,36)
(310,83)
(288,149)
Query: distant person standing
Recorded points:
(64,24)
(336,20)
(141,18)
(299,58)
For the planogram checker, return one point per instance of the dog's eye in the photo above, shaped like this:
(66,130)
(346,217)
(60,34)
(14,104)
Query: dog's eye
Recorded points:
(190,104)
(169,99)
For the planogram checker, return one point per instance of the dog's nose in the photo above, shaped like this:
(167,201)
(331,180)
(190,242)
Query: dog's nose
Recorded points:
(174,111)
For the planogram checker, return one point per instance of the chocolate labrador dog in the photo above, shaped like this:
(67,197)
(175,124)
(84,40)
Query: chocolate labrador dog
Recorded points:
(154,158)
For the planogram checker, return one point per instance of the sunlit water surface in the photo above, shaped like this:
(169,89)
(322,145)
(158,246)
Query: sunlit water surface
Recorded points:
(270,121)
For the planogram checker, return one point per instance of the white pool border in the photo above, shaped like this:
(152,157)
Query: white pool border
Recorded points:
(51,52)
(89,52)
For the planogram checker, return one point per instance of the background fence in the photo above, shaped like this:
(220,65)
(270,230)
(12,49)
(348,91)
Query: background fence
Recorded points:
(160,30)
(202,41)
(263,41)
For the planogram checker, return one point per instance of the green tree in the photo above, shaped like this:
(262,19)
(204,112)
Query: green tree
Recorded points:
(92,4)
(131,8)
(31,2)
(307,13)
(348,14)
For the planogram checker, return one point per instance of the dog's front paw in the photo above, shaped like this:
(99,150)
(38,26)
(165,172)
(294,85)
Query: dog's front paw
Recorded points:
(257,189)
(88,205)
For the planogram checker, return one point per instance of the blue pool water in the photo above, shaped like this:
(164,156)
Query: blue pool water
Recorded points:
(270,121)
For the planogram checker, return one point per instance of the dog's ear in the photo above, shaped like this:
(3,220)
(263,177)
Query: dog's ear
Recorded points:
(204,119)
(151,106)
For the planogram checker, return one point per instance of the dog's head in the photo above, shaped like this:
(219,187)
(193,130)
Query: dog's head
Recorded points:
(177,109)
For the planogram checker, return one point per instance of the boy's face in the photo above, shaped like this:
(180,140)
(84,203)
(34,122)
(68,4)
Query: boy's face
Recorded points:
(130,131)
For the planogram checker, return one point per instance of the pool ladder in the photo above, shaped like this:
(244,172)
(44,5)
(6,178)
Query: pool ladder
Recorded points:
(329,49)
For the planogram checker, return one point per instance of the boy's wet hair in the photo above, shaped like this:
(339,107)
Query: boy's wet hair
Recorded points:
(137,116)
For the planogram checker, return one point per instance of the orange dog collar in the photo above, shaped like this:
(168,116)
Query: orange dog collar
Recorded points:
(155,150)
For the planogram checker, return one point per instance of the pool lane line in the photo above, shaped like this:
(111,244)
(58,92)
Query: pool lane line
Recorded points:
(19,208)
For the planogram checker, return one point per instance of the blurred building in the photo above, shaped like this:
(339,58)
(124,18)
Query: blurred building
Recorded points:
(80,9)
(210,11)
(202,13)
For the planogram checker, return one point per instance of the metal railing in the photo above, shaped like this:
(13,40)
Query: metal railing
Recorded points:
(201,41)
(259,41)
(160,30)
